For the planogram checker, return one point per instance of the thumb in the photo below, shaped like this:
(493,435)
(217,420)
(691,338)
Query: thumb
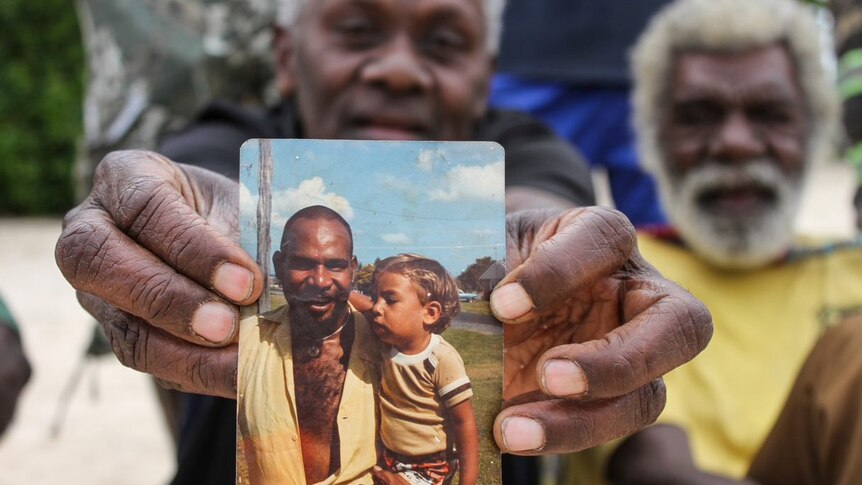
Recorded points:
(572,251)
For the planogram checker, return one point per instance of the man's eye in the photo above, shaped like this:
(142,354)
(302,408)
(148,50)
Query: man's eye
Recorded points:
(696,114)
(300,265)
(770,115)
(336,267)
(357,32)
(444,42)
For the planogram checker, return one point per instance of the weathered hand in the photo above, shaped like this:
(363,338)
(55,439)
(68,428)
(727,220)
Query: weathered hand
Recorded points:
(592,328)
(153,256)
(14,373)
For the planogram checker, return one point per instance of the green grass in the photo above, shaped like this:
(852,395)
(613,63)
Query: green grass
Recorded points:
(480,307)
(276,299)
(483,357)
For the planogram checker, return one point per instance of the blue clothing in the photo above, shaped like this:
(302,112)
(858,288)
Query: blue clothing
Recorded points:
(597,121)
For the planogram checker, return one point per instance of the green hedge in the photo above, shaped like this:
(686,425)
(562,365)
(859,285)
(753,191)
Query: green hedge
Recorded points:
(41,78)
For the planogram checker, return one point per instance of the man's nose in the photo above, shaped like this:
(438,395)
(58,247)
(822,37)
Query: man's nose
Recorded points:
(320,277)
(737,139)
(398,67)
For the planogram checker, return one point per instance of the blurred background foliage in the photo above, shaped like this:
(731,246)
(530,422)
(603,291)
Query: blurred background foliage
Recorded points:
(41,90)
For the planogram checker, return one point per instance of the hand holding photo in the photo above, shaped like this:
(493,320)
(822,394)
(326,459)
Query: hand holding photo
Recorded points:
(366,361)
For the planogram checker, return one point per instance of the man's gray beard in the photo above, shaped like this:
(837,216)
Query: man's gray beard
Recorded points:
(739,241)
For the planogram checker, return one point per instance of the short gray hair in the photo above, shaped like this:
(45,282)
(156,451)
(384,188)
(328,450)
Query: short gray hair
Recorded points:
(730,26)
(289,10)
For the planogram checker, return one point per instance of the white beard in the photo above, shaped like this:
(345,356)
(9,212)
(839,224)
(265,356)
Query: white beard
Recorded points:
(735,241)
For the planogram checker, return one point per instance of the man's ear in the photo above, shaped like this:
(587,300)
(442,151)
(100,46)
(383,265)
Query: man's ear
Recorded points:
(282,46)
(354,267)
(432,312)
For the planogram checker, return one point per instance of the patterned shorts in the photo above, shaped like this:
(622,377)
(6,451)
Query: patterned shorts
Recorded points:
(434,469)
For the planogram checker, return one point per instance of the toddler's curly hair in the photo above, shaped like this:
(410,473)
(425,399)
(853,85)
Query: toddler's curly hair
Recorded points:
(432,283)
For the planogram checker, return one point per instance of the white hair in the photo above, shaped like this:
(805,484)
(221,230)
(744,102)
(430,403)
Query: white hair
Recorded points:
(289,10)
(731,26)
(735,241)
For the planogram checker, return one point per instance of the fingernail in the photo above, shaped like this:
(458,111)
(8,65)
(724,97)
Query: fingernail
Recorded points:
(564,378)
(233,281)
(511,301)
(523,434)
(214,321)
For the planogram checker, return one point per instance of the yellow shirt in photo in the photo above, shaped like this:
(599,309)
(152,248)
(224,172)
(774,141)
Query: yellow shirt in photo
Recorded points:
(268,445)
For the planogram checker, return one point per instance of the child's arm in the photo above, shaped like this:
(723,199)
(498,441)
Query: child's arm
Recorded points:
(467,441)
(361,302)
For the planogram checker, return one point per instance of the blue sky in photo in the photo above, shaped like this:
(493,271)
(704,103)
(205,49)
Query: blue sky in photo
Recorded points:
(443,200)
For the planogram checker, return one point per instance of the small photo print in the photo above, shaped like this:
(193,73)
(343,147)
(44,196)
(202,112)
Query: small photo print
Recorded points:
(372,357)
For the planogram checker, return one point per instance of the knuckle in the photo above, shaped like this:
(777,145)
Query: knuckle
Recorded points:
(116,163)
(206,369)
(154,295)
(693,325)
(139,202)
(584,432)
(550,272)
(702,325)
(130,182)
(128,340)
(616,229)
(199,370)
(185,242)
(79,252)
(651,399)
(610,222)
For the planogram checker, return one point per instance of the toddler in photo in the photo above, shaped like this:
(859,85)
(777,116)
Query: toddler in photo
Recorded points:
(427,426)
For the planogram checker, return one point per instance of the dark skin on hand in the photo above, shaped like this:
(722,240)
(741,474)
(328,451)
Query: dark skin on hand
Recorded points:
(14,374)
(587,288)
(583,364)
(150,250)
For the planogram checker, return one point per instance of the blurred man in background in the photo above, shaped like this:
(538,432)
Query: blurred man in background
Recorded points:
(733,109)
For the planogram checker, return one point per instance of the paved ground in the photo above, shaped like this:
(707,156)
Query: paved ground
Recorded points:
(113,437)
(117,437)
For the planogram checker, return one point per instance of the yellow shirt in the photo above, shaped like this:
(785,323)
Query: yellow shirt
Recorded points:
(268,445)
(766,322)
(414,393)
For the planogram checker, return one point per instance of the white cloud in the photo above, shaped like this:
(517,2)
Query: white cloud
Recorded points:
(310,192)
(425,162)
(395,184)
(247,202)
(396,238)
(471,182)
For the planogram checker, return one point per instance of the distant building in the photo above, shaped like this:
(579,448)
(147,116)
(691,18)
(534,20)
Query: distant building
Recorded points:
(489,279)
